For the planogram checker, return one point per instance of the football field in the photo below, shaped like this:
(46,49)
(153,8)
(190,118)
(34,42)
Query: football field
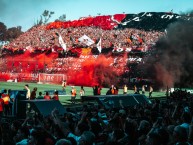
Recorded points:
(65,100)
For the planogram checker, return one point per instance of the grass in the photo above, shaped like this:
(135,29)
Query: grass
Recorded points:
(63,99)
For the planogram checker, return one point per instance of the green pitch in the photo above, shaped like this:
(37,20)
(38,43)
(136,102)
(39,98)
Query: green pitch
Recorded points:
(63,99)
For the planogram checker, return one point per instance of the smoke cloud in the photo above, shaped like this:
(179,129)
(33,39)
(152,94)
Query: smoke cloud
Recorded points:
(173,56)
(96,71)
(89,71)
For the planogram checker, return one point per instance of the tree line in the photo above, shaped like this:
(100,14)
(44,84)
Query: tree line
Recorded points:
(8,34)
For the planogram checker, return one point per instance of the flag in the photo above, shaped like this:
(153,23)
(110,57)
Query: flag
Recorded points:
(61,42)
(86,51)
(72,39)
(99,45)
(86,40)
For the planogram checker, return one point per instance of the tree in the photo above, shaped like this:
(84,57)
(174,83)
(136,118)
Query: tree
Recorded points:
(44,18)
(47,15)
(62,18)
(13,33)
(3,30)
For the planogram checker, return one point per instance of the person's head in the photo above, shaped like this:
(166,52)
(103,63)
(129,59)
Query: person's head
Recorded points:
(130,127)
(159,136)
(82,127)
(72,140)
(118,134)
(26,86)
(152,139)
(95,127)
(5,91)
(47,93)
(186,117)
(57,132)
(144,126)
(56,93)
(40,93)
(39,137)
(180,134)
(22,133)
(63,142)
(87,138)
(15,125)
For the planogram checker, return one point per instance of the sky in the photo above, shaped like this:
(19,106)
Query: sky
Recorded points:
(26,12)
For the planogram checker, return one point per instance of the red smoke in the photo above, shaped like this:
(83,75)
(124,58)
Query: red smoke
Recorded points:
(28,62)
(95,71)
(4,76)
(86,70)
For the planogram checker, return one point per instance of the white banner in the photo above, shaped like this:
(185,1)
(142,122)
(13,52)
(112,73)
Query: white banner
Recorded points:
(86,40)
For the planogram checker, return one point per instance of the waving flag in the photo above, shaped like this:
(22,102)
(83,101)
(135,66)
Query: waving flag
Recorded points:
(99,45)
(61,42)
(86,40)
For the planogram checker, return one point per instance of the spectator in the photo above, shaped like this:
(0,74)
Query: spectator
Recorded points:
(47,96)
(26,87)
(1,106)
(143,89)
(39,137)
(64,85)
(40,96)
(82,92)
(135,89)
(87,138)
(180,135)
(55,97)
(125,89)
(73,94)
(95,90)
(22,135)
(150,91)
(15,125)
(99,90)
(33,94)
(6,101)
(63,142)
(113,90)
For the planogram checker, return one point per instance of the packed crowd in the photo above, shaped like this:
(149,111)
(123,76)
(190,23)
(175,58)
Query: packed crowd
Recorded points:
(166,122)
(40,39)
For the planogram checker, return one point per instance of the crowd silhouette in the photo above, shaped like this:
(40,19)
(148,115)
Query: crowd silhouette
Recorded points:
(164,122)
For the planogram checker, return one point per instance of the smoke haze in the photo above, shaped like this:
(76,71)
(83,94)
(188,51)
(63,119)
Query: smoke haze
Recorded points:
(173,56)
(87,71)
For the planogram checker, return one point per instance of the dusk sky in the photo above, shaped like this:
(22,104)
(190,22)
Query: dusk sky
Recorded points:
(26,12)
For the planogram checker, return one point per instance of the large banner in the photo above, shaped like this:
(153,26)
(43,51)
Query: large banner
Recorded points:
(51,78)
(23,77)
(33,77)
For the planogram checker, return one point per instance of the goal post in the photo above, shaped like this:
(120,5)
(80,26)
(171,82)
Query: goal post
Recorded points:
(44,78)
